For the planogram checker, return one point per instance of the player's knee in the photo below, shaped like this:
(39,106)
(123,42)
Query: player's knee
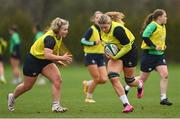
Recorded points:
(112,75)
(102,79)
(57,82)
(164,75)
(96,78)
(57,85)
(129,80)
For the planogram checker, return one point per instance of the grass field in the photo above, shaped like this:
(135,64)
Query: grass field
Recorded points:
(37,102)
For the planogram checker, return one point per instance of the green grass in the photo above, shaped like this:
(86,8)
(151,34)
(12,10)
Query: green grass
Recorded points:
(37,102)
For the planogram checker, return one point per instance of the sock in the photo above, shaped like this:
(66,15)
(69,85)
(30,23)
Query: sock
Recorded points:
(89,82)
(163,96)
(56,103)
(18,79)
(89,95)
(13,97)
(124,99)
(127,87)
(140,84)
(2,77)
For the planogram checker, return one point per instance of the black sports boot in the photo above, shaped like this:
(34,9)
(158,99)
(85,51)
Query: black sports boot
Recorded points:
(166,102)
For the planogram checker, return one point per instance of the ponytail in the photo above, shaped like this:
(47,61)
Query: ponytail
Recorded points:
(148,20)
(151,17)
(94,15)
(116,16)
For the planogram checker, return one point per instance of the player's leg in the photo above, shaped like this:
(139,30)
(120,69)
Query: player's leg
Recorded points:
(88,60)
(2,78)
(20,89)
(129,66)
(129,73)
(15,63)
(56,80)
(102,69)
(93,70)
(147,65)
(30,75)
(99,74)
(163,71)
(114,67)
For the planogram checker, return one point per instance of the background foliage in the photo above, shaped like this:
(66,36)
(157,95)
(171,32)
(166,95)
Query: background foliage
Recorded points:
(25,13)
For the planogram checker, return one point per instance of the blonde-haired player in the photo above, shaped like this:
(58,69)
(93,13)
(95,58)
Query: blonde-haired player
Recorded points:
(43,53)
(94,58)
(116,16)
(125,60)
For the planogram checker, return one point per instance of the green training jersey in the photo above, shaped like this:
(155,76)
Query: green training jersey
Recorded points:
(14,40)
(157,34)
(38,35)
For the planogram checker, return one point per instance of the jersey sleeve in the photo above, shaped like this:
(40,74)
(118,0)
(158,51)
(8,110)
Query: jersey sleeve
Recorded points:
(49,42)
(120,34)
(147,34)
(85,40)
(149,30)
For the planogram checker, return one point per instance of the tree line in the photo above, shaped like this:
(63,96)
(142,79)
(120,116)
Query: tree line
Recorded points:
(78,12)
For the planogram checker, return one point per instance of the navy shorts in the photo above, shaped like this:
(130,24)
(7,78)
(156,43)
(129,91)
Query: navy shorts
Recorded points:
(130,59)
(33,66)
(98,59)
(16,52)
(150,62)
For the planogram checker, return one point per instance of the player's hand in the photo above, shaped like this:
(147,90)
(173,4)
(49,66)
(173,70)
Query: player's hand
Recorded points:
(67,57)
(158,48)
(62,63)
(98,42)
(108,56)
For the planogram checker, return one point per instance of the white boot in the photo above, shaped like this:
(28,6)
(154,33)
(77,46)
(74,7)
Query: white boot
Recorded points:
(11,102)
(58,108)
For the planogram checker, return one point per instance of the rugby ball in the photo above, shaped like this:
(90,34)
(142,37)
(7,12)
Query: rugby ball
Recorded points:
(111,49)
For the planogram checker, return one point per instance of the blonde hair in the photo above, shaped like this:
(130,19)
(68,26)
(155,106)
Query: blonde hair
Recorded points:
(57,23)
(104,19)
(94,15)
(116,16)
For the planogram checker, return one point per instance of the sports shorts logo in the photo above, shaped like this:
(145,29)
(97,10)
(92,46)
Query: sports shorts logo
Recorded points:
(93,61)
(150,69)
(34,73)
(130,63)
(164,61)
